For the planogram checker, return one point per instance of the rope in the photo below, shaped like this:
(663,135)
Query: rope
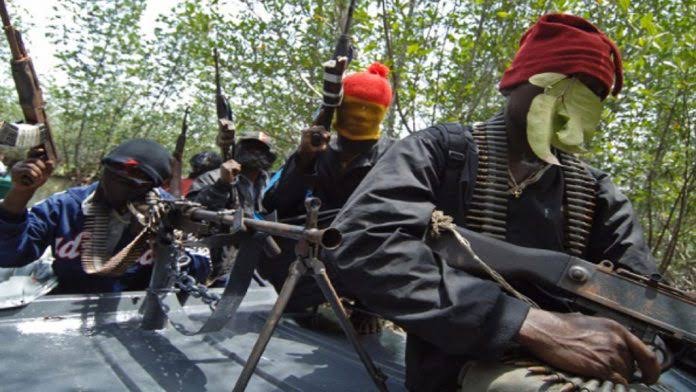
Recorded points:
(440,222)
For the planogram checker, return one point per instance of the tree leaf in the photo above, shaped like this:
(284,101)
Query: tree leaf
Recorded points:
(540,126)
(584,110)
(546,79)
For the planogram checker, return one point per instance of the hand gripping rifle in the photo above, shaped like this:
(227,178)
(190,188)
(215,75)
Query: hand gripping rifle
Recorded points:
(175,184)
(333,77)
(30,95)
(224,115)
(644,305)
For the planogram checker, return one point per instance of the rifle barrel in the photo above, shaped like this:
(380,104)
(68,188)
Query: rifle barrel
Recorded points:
(328,238)
(4,14)
(349,17)
(12,34)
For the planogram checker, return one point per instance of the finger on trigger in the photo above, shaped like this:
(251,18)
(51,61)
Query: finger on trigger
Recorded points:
(645,357)
(617,378)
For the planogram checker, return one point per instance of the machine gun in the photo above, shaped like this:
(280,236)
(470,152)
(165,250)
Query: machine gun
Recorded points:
(646,305)
(333,76)
(248,234)
(30,98)
(224,115)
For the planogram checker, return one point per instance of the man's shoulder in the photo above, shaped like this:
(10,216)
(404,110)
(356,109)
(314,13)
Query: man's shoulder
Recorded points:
(75,194)
(446,136)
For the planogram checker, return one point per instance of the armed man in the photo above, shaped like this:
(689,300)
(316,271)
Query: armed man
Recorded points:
(201,163)
(96,232)
(237,183)
(514,178)
(331,171)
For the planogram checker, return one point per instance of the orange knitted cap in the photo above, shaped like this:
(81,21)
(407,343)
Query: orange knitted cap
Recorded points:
(371,85)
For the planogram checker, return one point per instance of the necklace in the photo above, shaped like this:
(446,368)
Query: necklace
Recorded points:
(516,189)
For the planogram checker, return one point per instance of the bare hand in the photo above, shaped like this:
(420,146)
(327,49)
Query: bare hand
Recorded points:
(31,173)
(587,346)
(307,152)
(229,171)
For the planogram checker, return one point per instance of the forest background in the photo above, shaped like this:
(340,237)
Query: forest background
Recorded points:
(113,82)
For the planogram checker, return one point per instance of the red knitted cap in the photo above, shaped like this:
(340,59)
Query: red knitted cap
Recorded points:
(371,85)
(569,45)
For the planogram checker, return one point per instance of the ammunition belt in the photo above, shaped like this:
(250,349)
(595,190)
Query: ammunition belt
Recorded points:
(95,256)
(579,197)
(487,212)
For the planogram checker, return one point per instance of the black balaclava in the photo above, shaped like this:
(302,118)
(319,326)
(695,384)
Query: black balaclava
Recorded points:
(147,155)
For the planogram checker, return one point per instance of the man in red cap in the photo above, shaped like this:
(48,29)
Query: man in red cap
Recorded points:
(331,171)
(512,178)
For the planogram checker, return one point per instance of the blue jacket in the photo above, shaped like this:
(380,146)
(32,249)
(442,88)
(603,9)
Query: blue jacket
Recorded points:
(58,222)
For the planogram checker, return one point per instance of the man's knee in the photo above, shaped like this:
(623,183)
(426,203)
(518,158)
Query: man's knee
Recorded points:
(498,377)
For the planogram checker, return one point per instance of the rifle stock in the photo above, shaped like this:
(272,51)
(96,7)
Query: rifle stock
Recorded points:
(27,84)
(643,304)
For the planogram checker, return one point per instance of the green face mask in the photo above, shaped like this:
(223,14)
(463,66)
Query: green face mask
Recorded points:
(564,116)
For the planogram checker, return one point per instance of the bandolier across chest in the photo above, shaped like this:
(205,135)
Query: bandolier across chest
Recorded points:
(487,212)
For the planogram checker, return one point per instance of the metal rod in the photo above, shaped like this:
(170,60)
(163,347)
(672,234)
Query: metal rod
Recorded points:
(153,316)
(328,238)
(297,269)
(324,283)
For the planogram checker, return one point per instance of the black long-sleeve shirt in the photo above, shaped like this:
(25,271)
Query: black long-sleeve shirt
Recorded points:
(326,179)
(451,316)
(332,183)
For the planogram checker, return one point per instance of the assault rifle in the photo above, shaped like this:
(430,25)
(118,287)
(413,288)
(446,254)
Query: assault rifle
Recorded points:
(175,184)
(333,76)
(224,114)
(29,91)
(645,305)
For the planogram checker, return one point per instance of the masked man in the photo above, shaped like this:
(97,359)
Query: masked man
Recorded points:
(236,183)
(513,178)
(201,163)
(331,171)
(97,241)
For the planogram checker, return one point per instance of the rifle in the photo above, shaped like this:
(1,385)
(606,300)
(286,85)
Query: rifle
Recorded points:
(224,114)
(647,306)
(333,76)
(175,184)
(27,84)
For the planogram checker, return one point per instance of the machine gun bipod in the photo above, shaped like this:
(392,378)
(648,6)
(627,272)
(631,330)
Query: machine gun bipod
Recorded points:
(191,217)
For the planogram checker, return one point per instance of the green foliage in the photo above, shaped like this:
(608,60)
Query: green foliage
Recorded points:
(446,58)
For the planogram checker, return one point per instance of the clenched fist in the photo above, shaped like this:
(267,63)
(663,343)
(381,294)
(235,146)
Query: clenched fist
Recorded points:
(31,173)
(307,152)
(229,171)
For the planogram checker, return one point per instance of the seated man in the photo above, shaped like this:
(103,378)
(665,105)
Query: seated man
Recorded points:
(86,226)
(331,171)
(501,178)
